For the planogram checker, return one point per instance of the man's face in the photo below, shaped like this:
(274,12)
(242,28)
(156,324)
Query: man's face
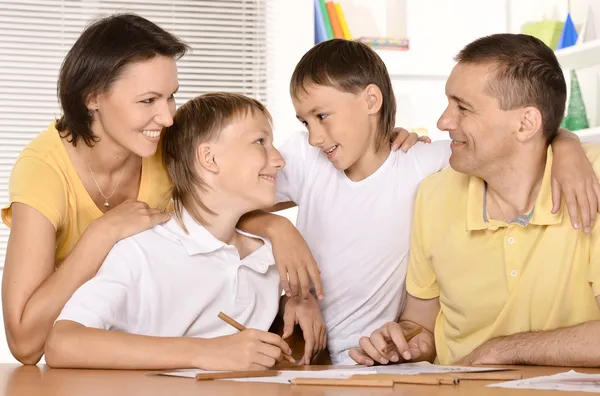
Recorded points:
(483,135)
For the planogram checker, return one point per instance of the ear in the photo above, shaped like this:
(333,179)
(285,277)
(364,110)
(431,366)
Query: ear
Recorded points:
(206,158)
(374,98)
(92,102)
(530,123)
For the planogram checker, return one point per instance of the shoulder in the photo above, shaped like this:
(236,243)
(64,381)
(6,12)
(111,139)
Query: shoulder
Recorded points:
(443,185)
(593,153)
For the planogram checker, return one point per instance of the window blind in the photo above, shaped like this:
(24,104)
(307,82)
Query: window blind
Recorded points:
(227,37)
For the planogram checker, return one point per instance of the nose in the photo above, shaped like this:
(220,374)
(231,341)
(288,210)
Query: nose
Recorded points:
(447,121)
(315,136)
(276,159)
(165,113)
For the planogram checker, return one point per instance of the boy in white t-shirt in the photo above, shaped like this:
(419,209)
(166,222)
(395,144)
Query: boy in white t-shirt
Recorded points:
(155,300)
(354,193)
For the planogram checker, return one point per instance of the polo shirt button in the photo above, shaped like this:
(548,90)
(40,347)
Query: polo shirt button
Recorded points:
(513,273)
(511,240)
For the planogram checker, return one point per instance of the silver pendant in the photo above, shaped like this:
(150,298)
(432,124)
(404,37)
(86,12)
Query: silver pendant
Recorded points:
(106,204)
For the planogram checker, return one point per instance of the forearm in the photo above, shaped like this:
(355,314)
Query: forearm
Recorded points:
(262,223)
(28,334)
(577,346)
(72,345)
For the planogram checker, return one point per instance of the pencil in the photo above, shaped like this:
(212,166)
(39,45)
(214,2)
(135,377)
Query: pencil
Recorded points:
(241,327)
(408,336)
(341,382)
(408,379)
(236,374)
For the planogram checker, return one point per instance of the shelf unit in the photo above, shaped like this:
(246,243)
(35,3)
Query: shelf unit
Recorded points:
(590,135)
(580,56)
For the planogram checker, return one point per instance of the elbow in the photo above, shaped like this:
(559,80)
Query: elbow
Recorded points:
(25,352)
(55,348)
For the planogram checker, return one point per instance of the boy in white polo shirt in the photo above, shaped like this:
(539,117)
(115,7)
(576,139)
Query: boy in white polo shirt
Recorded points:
(355,195)
(155,300)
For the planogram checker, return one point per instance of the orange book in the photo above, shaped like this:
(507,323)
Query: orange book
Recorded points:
(335,22)
(343,22)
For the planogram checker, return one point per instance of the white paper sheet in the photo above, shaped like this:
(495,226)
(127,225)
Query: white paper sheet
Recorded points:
(340,373)
(427,368)
(569,381)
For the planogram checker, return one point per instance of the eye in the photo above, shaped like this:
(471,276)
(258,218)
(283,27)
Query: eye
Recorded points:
(461,109)
(303,123)
(260,141)
(148,101)
(322,116)
(172,97)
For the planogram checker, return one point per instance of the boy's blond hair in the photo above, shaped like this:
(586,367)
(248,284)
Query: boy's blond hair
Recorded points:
(200,120)
(348,66)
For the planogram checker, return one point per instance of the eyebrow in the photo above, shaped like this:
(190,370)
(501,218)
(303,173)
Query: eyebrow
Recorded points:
(158,94)
(461,100)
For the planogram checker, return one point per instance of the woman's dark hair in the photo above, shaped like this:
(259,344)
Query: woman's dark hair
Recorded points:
(98,58)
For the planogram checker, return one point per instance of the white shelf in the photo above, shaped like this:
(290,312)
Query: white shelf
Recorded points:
(411,64)
(590,135)
(580,56)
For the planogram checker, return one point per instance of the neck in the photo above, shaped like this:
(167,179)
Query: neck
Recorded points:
(105,156)
(221,223)
(370,160)
(513,185)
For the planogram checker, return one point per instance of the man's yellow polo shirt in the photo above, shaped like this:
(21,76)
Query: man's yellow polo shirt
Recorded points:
(493,278)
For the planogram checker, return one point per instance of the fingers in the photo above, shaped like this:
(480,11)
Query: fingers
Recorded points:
(592,200)
(266,361)
(571,202)
(159,216)
(315,276)
(596,187)
(424,139)
(400,138)
(309,343)
(555,195)
(371,351)
(289,320)
(584,208)
(397,335)
(304,283)
(360,357)
(274,339)
(293,278)
(285,283)
(410,141)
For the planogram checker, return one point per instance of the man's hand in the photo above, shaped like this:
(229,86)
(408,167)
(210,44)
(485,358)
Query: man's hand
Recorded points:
(308,315)
(493,351)
(388,344)
(403,139)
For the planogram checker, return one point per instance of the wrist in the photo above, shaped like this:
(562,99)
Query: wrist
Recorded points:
(276,225)
(196,352)
(103,232)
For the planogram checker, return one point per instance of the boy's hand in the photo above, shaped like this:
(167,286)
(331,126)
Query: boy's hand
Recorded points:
(308,315)
(294,259)
(250,349)
(401,138)
(573,176)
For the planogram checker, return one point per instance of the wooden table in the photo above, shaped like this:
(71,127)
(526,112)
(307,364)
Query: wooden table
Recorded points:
(18,380)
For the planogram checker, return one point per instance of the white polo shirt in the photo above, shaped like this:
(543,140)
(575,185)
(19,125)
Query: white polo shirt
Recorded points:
(164,282)
(358,232)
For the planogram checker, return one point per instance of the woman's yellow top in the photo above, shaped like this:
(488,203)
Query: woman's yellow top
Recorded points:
(44,178)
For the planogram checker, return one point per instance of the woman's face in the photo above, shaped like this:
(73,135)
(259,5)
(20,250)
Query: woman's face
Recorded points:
(133,112)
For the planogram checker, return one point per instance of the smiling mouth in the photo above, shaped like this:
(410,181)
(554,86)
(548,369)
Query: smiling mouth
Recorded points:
(331,149)
(151,133)
(270,178)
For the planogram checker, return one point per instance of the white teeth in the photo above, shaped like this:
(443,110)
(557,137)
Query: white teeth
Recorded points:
(331,149)
(151,133)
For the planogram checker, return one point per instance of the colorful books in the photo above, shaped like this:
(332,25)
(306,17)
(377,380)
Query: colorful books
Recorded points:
(330,21)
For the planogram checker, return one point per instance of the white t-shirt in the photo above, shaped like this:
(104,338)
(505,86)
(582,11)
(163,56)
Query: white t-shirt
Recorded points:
(358,232)
(164,282)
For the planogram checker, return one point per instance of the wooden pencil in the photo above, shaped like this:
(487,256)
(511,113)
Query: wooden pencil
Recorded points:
(241,327)
(417,379)
(408,336)
(489,376)
(342,382)
(236,374)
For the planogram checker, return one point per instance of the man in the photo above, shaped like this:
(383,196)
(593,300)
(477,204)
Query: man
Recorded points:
(495,277)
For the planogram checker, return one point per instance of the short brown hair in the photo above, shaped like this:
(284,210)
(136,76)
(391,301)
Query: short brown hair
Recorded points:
(527,74)
(98,58)
(348,66)
(200,120)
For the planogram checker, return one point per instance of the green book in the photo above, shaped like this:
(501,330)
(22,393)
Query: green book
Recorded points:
(326,19)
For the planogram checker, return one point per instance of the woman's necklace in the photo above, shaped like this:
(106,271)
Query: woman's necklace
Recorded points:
(106,198)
